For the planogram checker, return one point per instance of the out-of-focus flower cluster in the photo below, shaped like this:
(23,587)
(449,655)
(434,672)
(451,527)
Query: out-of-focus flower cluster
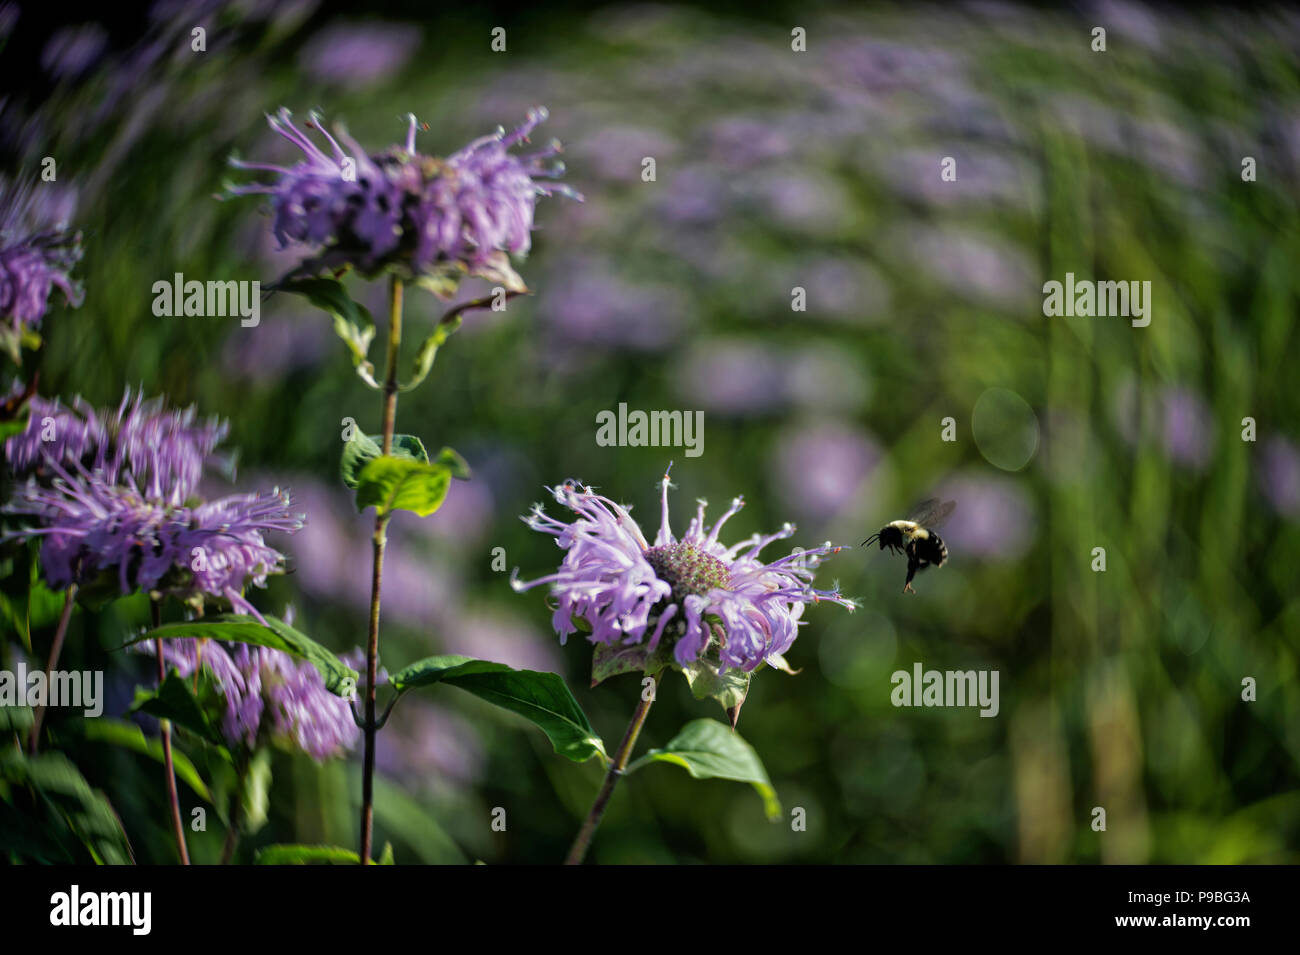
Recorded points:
(112,494)
(270,697)
(37,256)
(426,217)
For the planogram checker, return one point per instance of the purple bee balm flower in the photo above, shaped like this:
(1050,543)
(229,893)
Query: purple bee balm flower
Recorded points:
(90,527)
(1279,476)
(359,54)
(422,216)
(159,450)
(692,589)
(270,696)
(37,253)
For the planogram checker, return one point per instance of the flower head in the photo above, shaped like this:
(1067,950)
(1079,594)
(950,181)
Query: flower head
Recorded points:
(92,528)
(693,590)
(163,451)
(400,209)
(269,696)
(37,255)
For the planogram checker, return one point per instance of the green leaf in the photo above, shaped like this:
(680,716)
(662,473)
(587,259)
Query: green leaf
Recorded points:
(65,802)
(306,855)
(386,857)
(174,701)
(608,660)
(129,736)
(357,453)
(729,688)
(428,351)
(340,679)
(454,463)
(255,793)
(352,320)
(707,749)
(540,697)
(10,428)
(363,449)
(401,484)
(16,719)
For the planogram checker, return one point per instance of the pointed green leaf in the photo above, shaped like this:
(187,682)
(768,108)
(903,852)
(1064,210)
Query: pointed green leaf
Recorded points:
(174,701)
(540,697)
(352,320)
(707,749)
(729,688)
(340,679)
(363,449)
(454,463)
(401,484)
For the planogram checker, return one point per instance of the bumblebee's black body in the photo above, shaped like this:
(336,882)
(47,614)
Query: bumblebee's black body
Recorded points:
(923,547)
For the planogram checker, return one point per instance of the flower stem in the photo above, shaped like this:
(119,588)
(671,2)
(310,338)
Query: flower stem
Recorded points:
(34,741)
(583,842)
(165,727)
(377,576)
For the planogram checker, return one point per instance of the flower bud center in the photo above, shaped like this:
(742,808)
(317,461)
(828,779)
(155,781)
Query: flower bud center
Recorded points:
(688,569)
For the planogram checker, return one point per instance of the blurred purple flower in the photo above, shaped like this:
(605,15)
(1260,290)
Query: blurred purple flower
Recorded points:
(971,263)
(273,350)
(983,175)
(697,196)
(431,746)
(743,377)
(994,517)
(732,376)
(812,202)
(615,152)
(73,50)
(1180,419)
(89,527)
(502,638)
(270,697)
(1279,476)
(37,254)
(1188,429)
(359,54)
(465,516)
(740,141)
(159,451)
(588,303)
(626,589)
(821,470)
(400,209)
(418,592)
(842,288)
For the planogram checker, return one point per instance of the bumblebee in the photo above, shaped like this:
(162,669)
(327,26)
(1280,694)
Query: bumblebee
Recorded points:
(916,538)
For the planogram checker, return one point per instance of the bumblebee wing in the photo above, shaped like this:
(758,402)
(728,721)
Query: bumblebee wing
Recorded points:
(932,513)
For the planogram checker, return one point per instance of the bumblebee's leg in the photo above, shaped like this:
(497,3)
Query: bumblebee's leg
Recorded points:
(912,566)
